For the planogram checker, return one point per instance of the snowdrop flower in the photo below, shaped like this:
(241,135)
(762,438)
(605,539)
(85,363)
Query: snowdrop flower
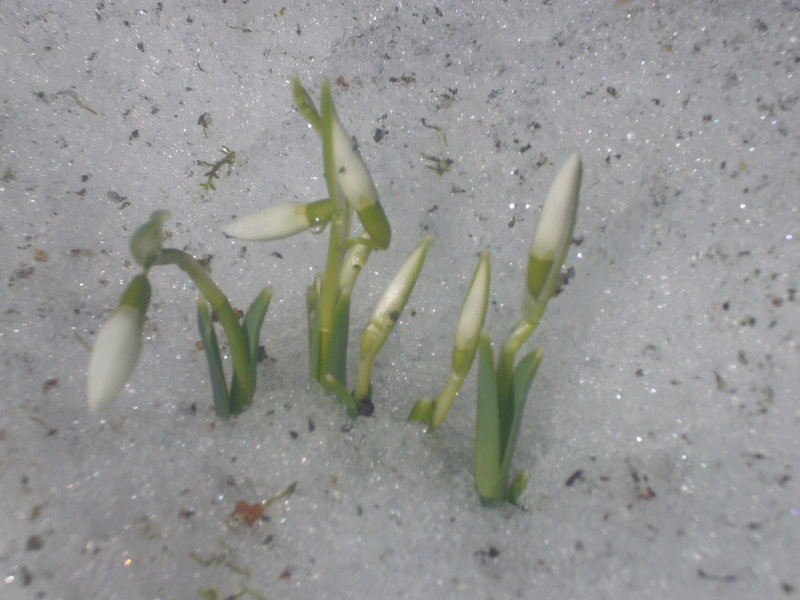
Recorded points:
(280,221)
(116,350)
(553,236)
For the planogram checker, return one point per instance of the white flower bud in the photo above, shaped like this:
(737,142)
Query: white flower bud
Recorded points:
(273,223)
(116,350)
(552,237)
(396,295)
(351,172)
(473,310)
(558,215)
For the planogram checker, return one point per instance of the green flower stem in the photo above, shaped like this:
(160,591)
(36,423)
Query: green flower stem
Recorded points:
(227,317)
(354,263)
(329,296)
(305,104)
(445,400)
(511,345)
(340,229)
(465,344)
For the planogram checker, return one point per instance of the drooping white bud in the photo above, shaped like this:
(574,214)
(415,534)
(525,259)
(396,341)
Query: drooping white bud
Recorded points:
(116,350)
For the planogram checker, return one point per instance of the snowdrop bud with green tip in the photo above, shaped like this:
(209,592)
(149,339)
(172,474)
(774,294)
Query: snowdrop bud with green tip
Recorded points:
(280,221)
(465,344)
(386,313)
(145,244)
(470,320)
(356,183)
(116,350)
(553,237)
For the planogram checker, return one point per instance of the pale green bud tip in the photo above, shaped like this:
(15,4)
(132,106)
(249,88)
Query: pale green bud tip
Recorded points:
(117,347)
(558,215)
(273,223)
(145,244)
(351,172)
(473,311)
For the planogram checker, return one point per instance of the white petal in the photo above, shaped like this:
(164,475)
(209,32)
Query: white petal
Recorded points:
(351,172)
(394,298)
(114,356)
(273,223)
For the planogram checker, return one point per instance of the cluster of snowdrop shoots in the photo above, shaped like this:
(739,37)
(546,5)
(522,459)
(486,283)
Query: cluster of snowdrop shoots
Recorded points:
(503,382)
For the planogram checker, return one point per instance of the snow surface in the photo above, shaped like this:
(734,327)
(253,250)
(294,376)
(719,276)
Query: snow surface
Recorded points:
(663,434)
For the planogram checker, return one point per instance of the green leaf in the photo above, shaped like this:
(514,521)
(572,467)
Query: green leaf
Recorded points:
(328,160)
(253,320)
(486,466)
(215,371)
(239,398)
(305,104)
(335,360)
(520,385)
(312,311)
(332,385)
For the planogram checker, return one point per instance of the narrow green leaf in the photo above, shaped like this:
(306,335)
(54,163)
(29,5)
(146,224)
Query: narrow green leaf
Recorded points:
(253,320)
(217,375)
(312,311)
(305,104)
(486,466)
(333,385)
(335,361)
(521,384)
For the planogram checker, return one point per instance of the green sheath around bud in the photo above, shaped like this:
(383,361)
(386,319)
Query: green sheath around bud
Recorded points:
(145,244)
(374,222)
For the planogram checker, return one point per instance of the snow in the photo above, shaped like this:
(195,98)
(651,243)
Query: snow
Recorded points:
(661,437)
